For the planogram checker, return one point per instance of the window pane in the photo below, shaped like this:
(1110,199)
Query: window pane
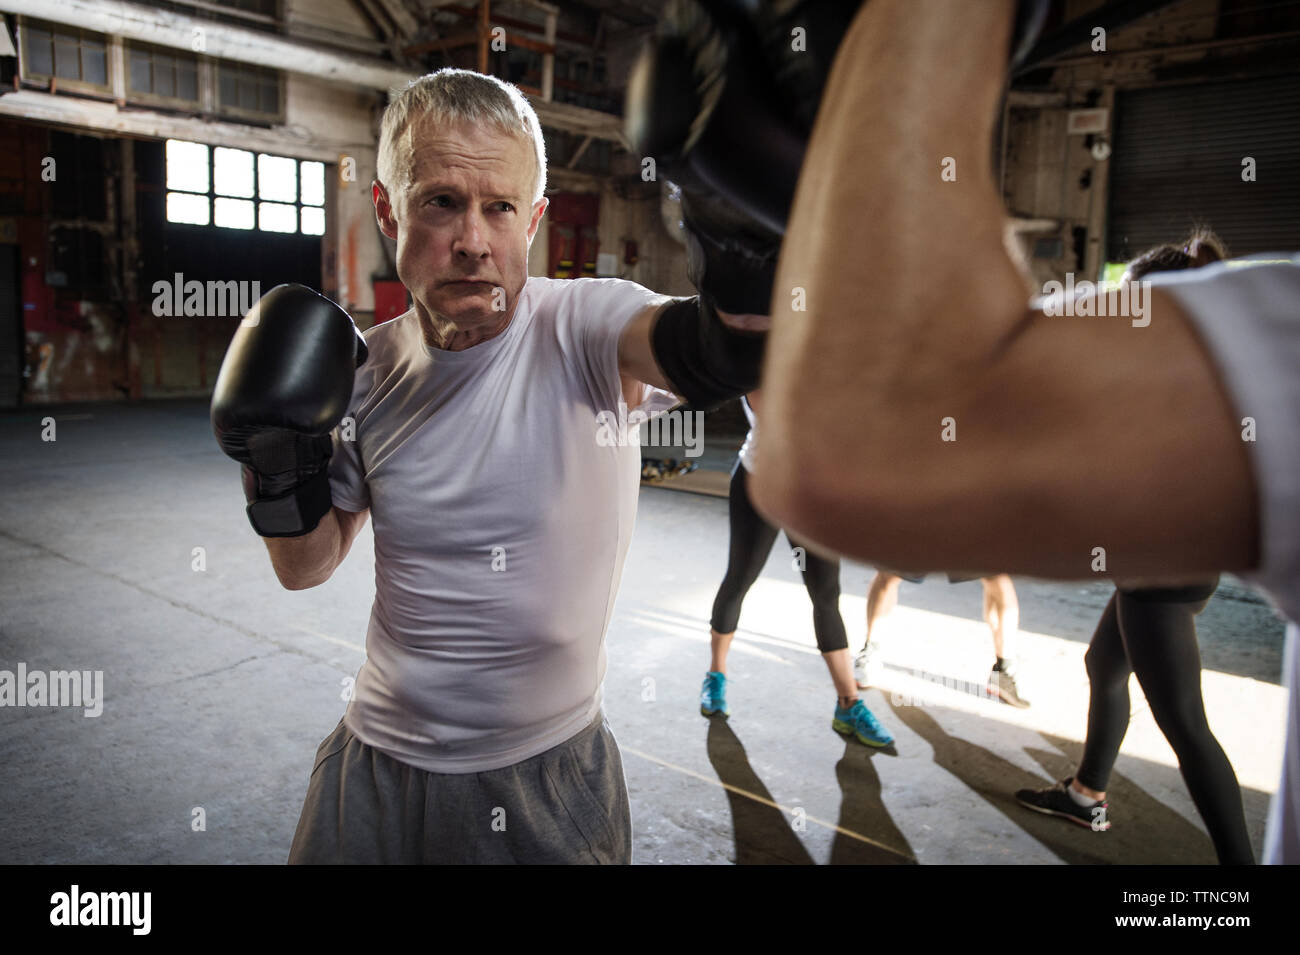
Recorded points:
(273,217)
(270,96)
(313,183)
(313,221)
(229,96)
(249,88)
(182,207)
(39,59)
(188,87)
(187,166)
(277,178)
(67,57)
(234,213)
(164,80)
(232,173)
(140,81)
(93,62)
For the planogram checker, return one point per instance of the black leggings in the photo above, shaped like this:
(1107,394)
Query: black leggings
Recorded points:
(1153,633)
(751,541)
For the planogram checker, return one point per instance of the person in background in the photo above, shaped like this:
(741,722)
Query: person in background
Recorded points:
(752,538)
(1001,612)
(1151,632)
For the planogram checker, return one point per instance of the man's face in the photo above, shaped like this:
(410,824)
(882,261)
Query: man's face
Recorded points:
(463,221)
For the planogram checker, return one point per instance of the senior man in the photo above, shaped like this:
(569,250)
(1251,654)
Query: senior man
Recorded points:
(501,522)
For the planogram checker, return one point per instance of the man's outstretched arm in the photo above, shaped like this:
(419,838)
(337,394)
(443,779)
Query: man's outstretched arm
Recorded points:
(1066,434)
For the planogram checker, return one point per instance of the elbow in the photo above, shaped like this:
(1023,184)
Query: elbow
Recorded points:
(301,581)
(810,498)
(830,489)
(775,492)
(804,480)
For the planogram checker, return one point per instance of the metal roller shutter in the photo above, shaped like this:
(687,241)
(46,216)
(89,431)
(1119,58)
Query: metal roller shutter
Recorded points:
(1177,162)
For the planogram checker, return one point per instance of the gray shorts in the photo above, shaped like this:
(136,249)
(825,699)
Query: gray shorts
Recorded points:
(566,805)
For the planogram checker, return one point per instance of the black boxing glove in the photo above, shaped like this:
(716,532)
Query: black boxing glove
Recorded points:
(284,385)
(732,262)
(730,257)
(725,104)
(703,101)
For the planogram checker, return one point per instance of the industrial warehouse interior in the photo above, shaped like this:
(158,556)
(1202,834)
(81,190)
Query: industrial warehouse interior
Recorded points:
(625,673)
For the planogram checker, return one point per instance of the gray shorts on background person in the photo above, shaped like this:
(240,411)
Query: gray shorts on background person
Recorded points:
(568,804)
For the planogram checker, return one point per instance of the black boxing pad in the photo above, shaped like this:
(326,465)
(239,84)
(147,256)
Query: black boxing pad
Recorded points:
(726,105)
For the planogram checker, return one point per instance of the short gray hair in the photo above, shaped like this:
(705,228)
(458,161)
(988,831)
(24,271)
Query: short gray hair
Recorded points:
(452,96)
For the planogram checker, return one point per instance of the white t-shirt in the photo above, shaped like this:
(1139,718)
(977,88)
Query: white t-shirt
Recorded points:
(501,522)
(1248,318)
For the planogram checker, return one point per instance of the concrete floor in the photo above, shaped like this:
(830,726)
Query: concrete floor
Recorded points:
(219,685)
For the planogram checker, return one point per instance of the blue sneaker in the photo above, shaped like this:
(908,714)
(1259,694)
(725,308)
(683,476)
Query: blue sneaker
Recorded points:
(859,721)
(713,698)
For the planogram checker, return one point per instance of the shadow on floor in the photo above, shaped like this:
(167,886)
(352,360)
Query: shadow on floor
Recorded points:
(975,688)
(866,835)
(1144,830)
(863,812)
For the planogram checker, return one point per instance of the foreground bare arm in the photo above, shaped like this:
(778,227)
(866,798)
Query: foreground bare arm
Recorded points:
(1070,434)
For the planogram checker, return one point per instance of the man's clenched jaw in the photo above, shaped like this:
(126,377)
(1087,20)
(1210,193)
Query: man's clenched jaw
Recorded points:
(462,217)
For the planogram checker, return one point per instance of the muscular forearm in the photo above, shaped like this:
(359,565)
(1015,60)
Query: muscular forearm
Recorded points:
(309,560)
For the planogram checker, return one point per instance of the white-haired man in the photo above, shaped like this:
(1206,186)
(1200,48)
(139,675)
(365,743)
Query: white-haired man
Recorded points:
(501,521)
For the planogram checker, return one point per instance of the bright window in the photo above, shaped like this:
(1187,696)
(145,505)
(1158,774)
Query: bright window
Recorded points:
(313,221)
(313,183)
(234,213)
(276,217)
(187,166)
(239,189)
(182,207)
(233,172)
(277,178)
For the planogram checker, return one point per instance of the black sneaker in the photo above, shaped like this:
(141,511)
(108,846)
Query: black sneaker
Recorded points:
(1057,802)
(1002,686)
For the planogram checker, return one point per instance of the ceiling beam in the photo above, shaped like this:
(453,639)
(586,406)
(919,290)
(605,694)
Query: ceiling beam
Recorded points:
(407,25)
(166,28)
(579,119)
(577,153)
(77,113)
